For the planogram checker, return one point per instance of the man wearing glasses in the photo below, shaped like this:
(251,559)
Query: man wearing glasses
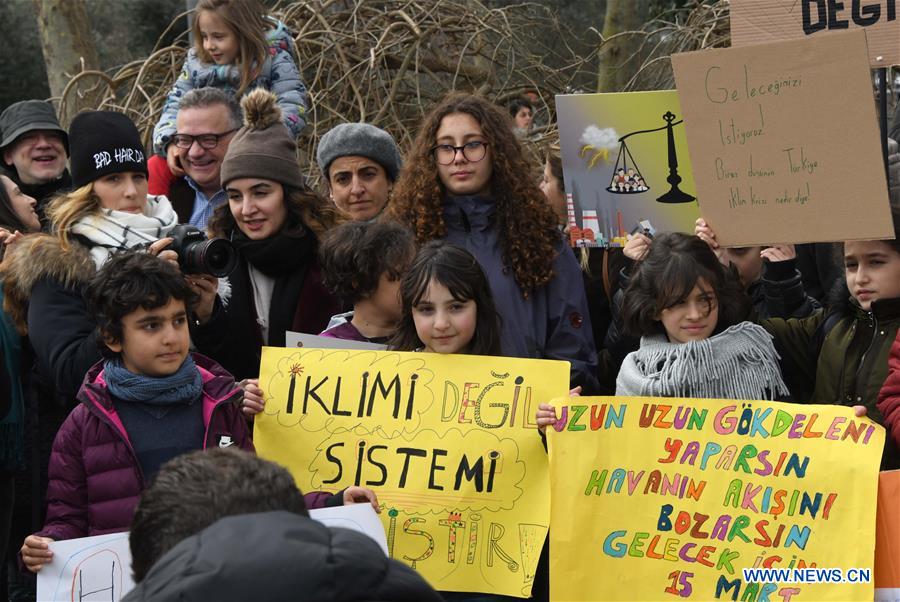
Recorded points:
(207,120)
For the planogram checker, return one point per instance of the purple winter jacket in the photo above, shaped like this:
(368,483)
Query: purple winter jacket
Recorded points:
(95,479)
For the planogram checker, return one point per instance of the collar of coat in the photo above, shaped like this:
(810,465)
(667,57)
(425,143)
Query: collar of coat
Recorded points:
(34,258)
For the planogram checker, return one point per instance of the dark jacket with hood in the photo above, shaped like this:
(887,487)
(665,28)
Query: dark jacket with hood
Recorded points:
(554,321)
(95,477)
(843,362)
(44,286)
(276,556)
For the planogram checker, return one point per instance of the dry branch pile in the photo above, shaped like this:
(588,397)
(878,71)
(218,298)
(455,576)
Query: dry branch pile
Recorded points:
(384,62)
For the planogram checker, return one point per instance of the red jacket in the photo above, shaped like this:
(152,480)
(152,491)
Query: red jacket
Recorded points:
(889,397)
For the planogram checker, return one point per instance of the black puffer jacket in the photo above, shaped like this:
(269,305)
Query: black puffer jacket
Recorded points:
(279,556)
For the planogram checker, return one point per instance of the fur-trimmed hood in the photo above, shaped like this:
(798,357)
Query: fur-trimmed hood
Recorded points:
(34,258)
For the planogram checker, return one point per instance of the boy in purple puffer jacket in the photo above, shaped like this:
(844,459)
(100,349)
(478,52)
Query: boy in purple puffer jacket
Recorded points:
(149,401)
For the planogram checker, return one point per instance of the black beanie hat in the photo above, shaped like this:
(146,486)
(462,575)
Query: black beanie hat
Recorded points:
(103,143)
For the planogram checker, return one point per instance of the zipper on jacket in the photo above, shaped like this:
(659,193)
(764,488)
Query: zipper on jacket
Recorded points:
(859,390)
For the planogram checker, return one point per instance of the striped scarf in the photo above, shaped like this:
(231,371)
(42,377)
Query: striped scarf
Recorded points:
(110,231)
(738,363)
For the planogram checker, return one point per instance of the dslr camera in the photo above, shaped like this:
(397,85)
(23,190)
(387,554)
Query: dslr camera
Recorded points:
(199,255)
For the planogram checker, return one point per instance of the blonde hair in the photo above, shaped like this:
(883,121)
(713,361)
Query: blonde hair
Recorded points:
(67,208)
(245,19)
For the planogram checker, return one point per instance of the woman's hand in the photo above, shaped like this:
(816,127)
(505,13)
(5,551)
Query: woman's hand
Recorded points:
(254,401)
(779,253)
(708,235)
(637,247)
(9,238)
(859,411)
(159,249)
(361,495)
(36,552)
(206,287)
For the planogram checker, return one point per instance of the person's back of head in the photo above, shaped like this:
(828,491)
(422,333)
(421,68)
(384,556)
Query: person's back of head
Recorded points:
(355,255)
(197,489)
(227,525)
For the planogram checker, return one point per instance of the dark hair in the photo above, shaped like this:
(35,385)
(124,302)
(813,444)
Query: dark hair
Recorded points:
(8,217)
(196,489)
(668,274)
(204,98)
(518,104)
(459,271)
(894,244)
(525,223)
(305,209)
(354,255)
(130,280)
(554,160)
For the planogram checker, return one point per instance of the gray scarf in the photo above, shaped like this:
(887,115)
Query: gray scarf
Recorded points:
(738,363)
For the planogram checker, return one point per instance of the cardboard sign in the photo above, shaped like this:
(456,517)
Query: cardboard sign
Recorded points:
(88,568)
(887,538)
(762,21)
(300,339)
(673,498)
(616,167)
(784,141)
(448,443)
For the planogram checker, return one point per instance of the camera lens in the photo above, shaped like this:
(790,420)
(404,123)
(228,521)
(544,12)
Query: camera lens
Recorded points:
(215,257)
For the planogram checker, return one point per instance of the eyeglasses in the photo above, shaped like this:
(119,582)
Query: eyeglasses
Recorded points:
(207,141)
(473,151)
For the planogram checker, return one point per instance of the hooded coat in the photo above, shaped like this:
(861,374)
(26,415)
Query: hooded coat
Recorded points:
(889,397)
(844,362)
(554,321)
(290,557)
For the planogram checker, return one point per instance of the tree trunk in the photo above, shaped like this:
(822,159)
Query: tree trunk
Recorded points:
(617,61)
(67,45)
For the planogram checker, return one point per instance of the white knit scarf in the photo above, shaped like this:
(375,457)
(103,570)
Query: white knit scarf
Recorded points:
(738,363)
(110,230)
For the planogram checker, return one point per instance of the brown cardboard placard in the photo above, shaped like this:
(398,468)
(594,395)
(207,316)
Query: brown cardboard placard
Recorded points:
(784,142)
(762,21)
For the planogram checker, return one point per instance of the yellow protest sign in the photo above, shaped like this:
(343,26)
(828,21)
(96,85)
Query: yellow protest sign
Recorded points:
(448,442)
(674,498)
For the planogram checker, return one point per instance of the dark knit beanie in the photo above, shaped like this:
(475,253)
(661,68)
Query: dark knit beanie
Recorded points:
(103,143)
(363,140)
(263,148)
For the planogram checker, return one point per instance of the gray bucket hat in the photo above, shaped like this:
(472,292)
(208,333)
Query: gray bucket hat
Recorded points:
(26,116)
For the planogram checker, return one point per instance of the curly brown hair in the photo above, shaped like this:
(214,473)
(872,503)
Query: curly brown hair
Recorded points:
(305,208)
(525,222)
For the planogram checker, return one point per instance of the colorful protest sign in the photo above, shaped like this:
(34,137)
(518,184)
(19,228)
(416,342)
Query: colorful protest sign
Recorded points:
(88,568)
(784,141)
(668,499)
(762,21)
(617,165)
(448,443)
(887,538)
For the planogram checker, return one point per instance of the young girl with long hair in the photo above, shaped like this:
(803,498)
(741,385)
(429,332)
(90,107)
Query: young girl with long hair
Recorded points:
(236,48)
(467,181)
(447,305)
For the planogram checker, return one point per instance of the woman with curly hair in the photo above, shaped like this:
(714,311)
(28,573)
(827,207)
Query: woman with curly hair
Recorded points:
(468,182)
(275,223)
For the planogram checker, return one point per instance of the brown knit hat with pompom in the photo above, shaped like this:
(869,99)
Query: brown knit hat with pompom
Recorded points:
(263,148)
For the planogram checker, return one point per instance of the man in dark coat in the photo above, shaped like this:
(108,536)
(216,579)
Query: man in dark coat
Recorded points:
(227,525)
(34,149)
